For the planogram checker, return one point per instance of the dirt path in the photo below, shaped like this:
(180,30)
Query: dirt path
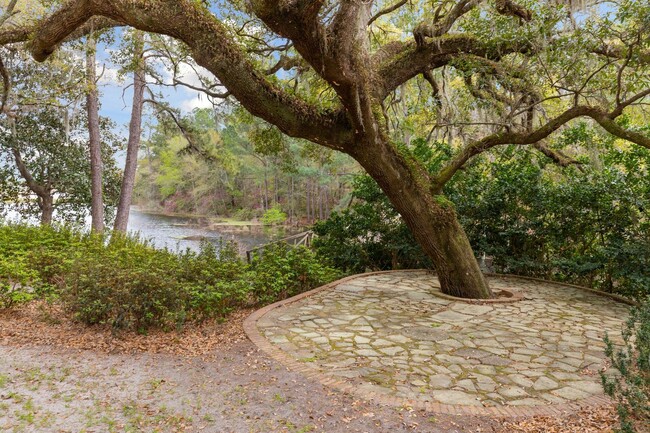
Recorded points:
(126,385)
(49,390)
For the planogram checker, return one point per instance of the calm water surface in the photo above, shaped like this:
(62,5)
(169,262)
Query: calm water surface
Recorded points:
(180,233)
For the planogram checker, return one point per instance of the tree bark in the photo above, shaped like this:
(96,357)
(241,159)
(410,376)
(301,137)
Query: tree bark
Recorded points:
(96,169)
(46,203)
(266,189)
(43,192)
(431,218)
(135,133)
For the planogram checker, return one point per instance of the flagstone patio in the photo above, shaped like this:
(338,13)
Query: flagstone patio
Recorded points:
(395,338)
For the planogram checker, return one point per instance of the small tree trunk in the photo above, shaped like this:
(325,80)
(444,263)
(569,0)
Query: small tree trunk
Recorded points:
(92,105)
(266,189)
(308,201)
(135,133)
(43,192)
(320,202)
(293,203)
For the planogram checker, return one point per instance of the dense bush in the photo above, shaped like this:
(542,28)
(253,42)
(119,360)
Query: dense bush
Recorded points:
(216,280)
(47,251)
(281,271)
(631,388)
(33,259)
(588,224)
(127,283)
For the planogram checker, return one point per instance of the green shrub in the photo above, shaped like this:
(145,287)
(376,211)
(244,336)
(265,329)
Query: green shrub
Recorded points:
(631,388)
(274,216)
(130,284)
(17,282)
(215,280)
(281,271)
(46,252)
(127,283)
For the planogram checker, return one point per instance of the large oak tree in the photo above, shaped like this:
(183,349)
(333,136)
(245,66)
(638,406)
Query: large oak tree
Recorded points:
(531,68)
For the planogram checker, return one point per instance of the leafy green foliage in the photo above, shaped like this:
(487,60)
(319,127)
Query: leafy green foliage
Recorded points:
(215,280)
(127,283)
(39,256)
(274,216)
(368,235)
(281,271)
(587,224)
(15,282)
(631,388)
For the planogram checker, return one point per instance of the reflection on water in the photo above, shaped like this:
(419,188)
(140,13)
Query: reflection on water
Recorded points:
(180,233)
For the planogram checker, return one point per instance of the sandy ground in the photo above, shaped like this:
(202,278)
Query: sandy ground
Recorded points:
(58,376)
(49,390)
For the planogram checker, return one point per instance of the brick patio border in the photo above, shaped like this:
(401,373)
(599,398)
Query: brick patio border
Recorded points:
(250,327)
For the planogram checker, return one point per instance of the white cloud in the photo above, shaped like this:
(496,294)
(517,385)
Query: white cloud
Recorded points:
(198,101)
(109,76)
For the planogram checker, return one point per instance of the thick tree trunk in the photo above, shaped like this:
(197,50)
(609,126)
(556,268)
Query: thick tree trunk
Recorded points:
(431,218)
(96,169)
(135,133)
(46,203)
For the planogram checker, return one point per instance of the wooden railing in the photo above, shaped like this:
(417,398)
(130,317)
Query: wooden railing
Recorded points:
(303,238)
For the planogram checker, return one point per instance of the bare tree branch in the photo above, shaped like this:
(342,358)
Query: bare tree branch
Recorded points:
(604,119)
(387,10)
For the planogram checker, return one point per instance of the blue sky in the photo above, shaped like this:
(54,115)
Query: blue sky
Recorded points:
(116,95)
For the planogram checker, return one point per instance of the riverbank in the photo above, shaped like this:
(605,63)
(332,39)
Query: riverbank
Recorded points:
(209,221)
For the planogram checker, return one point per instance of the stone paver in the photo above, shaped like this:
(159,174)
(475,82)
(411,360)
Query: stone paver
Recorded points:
(391,334)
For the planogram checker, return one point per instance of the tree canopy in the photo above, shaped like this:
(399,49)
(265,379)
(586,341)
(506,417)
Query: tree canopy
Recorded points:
(338,73)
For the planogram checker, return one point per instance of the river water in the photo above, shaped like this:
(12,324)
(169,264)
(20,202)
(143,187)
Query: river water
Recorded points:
(179,233)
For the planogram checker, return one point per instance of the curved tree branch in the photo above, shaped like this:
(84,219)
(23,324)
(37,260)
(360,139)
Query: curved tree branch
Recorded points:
(400,61)
(501,138)
(212,47)
(604,119)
